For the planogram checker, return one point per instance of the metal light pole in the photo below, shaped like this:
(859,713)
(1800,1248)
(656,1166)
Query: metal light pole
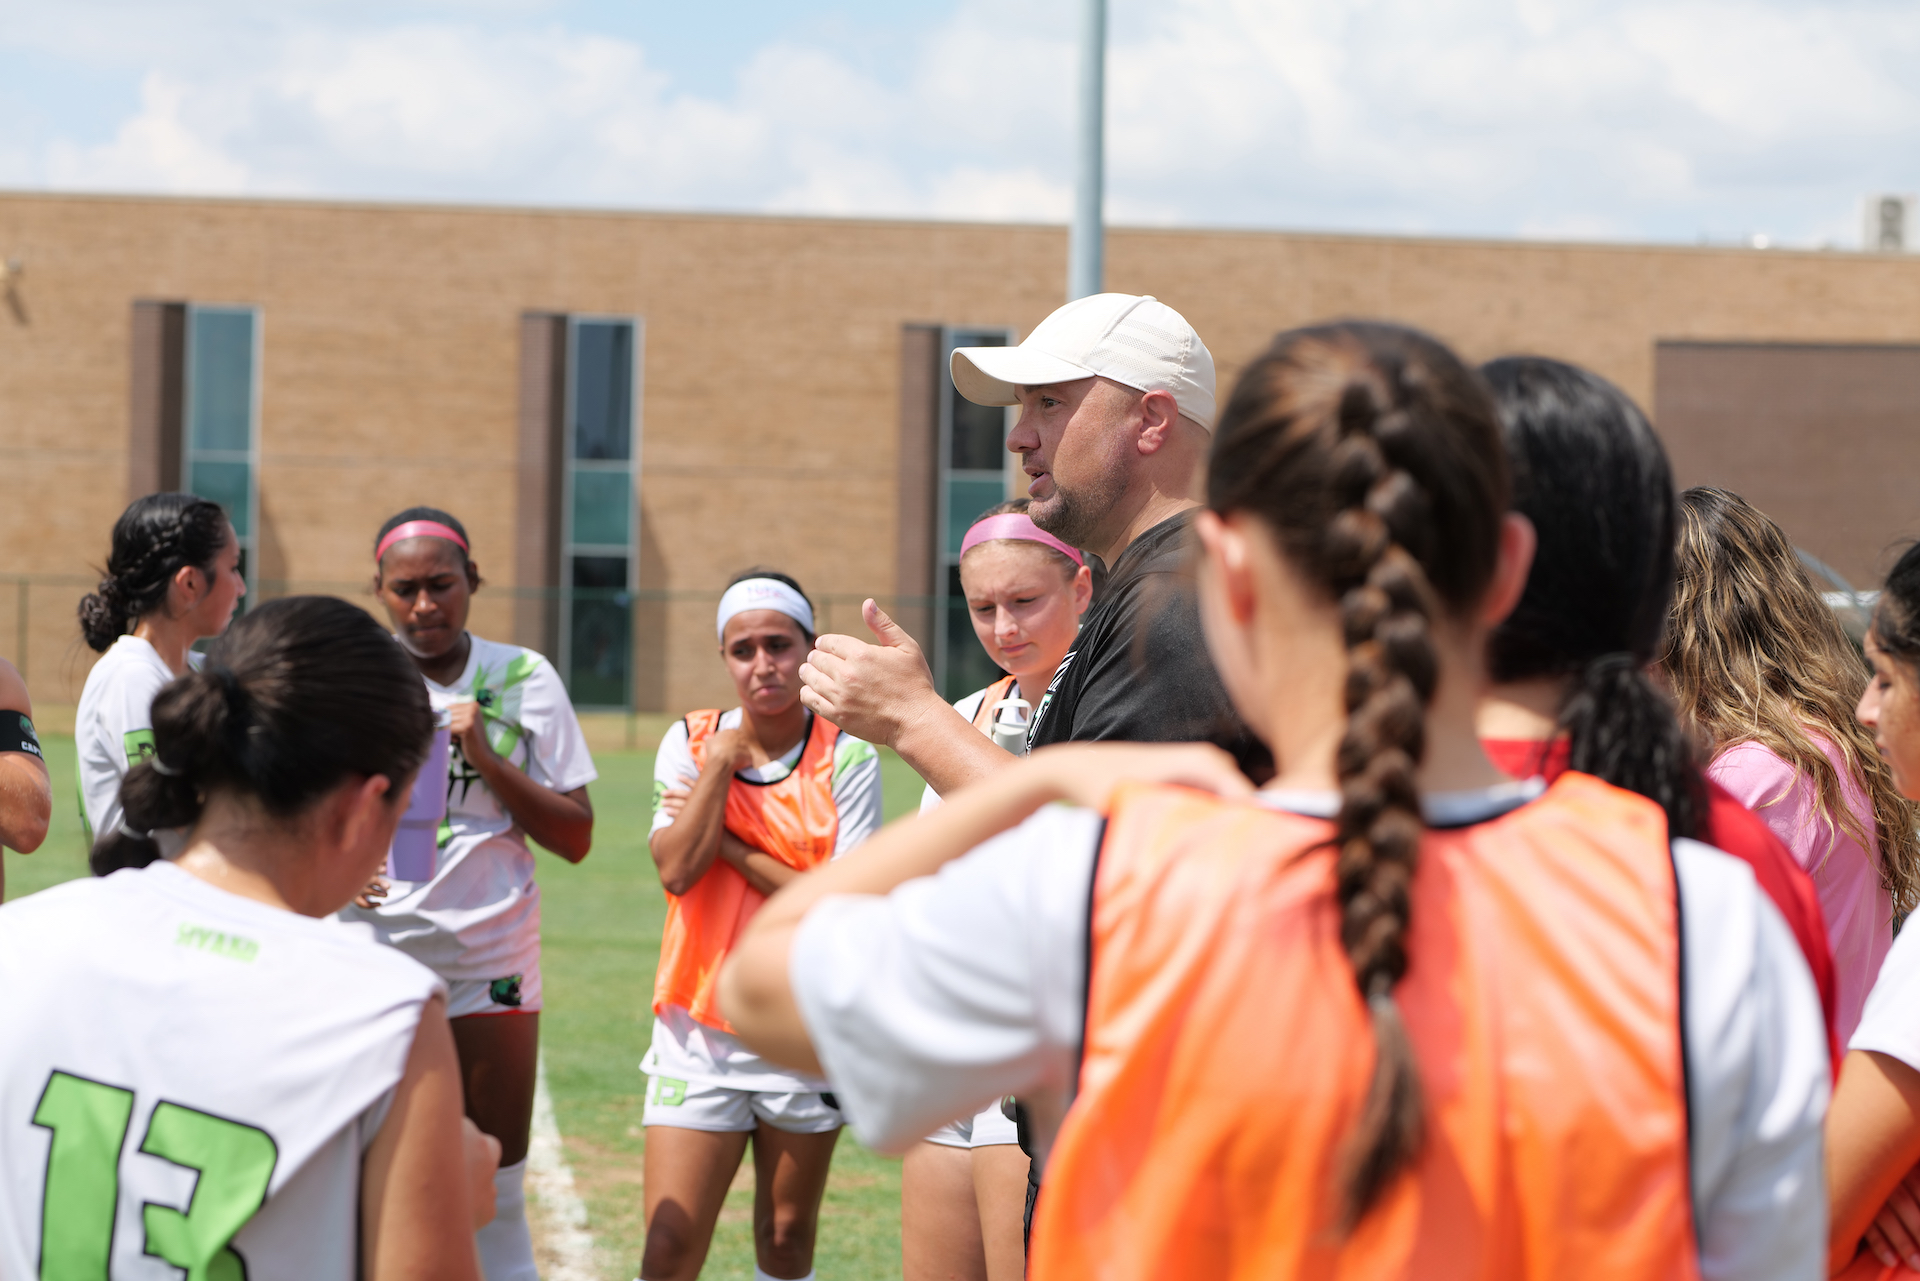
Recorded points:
(1086,243)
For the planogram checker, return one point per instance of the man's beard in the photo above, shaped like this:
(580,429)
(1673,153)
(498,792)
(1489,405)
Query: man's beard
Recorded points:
(1075,516)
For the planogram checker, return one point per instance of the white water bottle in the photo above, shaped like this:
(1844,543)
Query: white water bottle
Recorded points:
(415,852)
(1009,724)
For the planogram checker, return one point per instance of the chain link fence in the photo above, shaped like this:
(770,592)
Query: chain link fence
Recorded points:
(643,651)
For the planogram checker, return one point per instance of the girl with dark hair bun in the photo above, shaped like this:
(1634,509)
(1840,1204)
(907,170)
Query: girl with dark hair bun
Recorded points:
(1392,1016)
(518,769)
(204,1072)
(1570,662)
(173,577)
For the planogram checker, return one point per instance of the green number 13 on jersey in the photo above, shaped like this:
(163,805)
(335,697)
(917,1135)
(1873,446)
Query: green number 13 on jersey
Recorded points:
(89,1121)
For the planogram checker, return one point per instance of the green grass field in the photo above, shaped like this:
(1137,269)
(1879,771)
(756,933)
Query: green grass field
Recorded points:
(601,936)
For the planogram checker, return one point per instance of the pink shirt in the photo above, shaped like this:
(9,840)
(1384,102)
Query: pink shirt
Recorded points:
(1858,910)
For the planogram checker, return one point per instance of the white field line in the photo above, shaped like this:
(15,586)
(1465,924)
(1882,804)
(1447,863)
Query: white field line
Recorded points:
(550,1183)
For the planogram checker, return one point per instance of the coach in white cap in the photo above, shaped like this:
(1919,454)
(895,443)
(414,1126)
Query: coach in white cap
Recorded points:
(1116,396)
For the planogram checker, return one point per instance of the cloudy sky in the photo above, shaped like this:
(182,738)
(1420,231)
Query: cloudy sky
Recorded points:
(1667,120)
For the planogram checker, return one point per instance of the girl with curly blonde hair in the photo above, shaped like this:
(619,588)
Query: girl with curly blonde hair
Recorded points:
(1761,667)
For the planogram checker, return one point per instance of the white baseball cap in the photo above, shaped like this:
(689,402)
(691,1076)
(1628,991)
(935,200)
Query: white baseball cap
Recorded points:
(1134,339)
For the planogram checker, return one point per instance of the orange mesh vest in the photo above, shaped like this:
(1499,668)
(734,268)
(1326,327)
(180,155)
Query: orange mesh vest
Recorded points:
(1227,1052)
(794,820)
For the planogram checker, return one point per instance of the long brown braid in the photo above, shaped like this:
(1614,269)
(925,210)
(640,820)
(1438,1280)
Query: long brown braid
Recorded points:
(1374,456)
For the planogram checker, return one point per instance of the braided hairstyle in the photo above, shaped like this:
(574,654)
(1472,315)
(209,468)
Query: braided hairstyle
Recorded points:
(1373,456)
(154,539)
(297,695)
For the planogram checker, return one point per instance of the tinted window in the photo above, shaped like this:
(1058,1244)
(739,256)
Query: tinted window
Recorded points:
(979,437)
(220,379)
(603,391)
(602,506)
(600,648)
(966,499)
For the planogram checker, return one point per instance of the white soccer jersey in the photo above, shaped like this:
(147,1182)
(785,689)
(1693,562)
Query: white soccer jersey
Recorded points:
(189,1075)
(479,917)
(113,728)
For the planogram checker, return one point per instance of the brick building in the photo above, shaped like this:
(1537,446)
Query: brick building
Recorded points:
(625,408)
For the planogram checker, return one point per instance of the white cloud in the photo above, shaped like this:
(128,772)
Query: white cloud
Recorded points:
(155,150)
(1578,118)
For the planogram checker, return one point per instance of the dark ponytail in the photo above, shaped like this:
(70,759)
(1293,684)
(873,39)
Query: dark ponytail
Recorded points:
(298,695)
(1374,457)
(154,539)
(1591,475)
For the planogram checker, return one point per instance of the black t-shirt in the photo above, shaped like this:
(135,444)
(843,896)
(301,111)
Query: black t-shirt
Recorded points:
(1140,672)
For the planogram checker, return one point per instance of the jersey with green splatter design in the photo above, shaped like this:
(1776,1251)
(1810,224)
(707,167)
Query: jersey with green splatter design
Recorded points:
(497,690)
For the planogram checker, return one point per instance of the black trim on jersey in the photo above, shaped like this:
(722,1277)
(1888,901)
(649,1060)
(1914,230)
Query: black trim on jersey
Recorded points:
(1086,954)
(1680,978)
(1492,817)
(1010,682)
(742,778)
(805,740)
(16,734)
(1034,1171)
(1046,697)
(1033,1199)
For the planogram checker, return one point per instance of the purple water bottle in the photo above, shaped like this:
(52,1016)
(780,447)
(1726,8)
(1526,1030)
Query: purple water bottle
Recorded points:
(415,852)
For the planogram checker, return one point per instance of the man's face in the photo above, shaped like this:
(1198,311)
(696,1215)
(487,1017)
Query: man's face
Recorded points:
(1075,446)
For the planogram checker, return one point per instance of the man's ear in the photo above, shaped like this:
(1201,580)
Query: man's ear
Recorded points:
(1159,421)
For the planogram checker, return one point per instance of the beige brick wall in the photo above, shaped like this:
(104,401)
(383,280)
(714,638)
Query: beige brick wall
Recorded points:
(770,381)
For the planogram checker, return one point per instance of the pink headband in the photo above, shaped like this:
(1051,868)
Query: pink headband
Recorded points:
(418,529)
(1015,525)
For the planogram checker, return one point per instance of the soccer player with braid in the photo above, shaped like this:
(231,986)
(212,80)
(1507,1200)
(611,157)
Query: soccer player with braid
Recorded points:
(173,578)
(1393,1015)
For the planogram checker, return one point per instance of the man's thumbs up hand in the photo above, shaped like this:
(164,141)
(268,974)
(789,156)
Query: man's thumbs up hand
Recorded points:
(888,632)
(870,691)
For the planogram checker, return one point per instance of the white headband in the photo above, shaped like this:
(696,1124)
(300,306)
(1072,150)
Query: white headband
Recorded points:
(763,593)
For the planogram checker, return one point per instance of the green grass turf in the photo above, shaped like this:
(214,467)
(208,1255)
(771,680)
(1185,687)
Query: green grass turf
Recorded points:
(63,855)
(600,939)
